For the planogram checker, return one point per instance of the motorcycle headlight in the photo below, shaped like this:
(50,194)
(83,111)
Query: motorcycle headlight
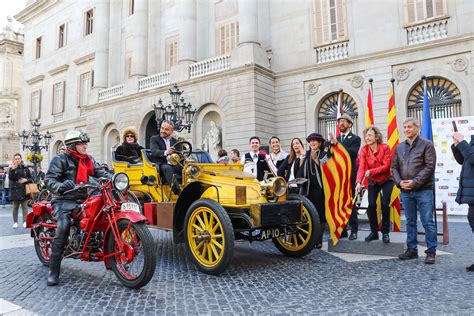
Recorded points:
(120,181)
(279,186)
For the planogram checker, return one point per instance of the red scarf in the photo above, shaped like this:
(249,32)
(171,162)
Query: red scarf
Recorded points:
(85,167)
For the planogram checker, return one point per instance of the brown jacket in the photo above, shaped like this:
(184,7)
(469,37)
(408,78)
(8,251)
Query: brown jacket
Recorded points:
(416,162)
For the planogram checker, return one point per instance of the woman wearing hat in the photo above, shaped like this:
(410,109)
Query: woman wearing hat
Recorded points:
(313,188)
(374,164)
(290,166)
(129,150)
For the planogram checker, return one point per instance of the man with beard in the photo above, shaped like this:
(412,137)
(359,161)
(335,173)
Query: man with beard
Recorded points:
(351,143)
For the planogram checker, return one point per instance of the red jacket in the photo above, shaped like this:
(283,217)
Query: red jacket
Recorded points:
(378,163)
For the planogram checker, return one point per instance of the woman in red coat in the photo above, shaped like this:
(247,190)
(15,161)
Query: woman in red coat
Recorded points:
(374,164)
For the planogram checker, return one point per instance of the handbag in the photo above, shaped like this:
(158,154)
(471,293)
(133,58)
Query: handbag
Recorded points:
(31,188)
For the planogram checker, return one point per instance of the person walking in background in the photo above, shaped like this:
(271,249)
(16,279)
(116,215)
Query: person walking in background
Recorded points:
(351,143)
(3,177)
(6,186)
(277,154)
(19,176)
(313,188)
(375,159)
(290,166)
(464,154)
(413,168)
(234,156)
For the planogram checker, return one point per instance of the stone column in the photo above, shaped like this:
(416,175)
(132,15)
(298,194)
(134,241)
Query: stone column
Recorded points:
(140,38)
(249,50)
(101,26)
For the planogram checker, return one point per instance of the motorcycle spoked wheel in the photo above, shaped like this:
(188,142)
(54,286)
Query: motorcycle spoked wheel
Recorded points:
(135,266)
(44,247)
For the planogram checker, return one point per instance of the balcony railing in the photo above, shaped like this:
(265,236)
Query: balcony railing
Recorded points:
(427,32)
(332,52)
(154,81)
(111,93)
(209,66)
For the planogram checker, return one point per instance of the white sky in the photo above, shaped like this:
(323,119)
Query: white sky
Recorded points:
(10,7)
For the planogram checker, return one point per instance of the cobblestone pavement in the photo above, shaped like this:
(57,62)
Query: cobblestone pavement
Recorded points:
(259,281)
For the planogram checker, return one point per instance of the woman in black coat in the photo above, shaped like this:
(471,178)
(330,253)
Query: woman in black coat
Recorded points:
(464,154)
(288,169)
(129,150)
(19,176)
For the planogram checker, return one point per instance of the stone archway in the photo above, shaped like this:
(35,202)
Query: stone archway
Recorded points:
(112,140)
(326,112)
(150,128)
(209,130)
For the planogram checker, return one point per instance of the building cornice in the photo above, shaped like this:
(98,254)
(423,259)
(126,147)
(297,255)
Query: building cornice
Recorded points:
(58,70)
(84,59)
(58,127)
(35,79)
(376,56)
(33,10)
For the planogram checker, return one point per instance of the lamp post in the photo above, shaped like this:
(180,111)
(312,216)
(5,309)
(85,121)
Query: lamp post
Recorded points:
(178,112)
(34,137)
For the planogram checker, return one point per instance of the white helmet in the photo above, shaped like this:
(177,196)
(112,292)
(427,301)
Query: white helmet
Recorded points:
(75,137)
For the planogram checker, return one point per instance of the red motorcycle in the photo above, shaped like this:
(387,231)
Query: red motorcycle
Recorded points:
(108,226)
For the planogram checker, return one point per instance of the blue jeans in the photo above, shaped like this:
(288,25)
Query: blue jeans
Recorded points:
(421,201)
(4,195)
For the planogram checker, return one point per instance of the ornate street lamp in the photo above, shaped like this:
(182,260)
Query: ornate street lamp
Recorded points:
(178,112)
(35,137)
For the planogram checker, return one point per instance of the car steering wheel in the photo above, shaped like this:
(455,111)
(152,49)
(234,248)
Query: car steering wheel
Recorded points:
(183,149)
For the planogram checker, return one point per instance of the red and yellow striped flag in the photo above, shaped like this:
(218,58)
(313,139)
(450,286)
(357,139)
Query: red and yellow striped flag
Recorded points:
(369,113)
(393,141)
(337,185)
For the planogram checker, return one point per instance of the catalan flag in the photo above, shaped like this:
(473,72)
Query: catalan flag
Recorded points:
(369,113)
(393,141)
(337,182)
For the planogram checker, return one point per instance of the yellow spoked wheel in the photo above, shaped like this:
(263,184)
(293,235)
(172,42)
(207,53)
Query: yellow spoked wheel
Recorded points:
(304,239)
(209,236)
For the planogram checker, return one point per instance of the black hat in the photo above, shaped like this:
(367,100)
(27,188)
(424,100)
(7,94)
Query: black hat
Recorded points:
(315,136)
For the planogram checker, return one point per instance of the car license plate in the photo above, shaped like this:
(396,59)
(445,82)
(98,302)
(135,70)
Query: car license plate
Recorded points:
(270,233)
(134,207)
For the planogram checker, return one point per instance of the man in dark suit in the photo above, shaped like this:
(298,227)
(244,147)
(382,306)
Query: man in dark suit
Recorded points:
(351,143)
(257,156)
(161,147)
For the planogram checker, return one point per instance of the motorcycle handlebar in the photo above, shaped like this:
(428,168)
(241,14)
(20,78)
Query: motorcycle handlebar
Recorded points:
(80,186)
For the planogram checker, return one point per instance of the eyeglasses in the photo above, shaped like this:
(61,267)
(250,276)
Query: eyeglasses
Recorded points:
(130,136)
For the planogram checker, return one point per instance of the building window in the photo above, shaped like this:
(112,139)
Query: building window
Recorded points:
(444,99)
(62,35)
(227,38)
(131,7)
(419,11)
(89,22)
(327,112)
(329,20)
(38,47)
(35,105)
(58,98)
(85,85)
(171,54)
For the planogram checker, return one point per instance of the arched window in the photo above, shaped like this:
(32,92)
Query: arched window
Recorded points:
(443,96)
(328,110)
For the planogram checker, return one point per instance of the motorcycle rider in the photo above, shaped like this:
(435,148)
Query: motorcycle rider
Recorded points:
(65,171)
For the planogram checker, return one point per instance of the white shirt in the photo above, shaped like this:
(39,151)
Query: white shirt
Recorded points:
(254,156)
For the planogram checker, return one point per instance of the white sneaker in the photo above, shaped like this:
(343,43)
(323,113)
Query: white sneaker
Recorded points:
(24,224)
(15,225)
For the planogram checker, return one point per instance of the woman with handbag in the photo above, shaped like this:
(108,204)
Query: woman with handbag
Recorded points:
(19,176)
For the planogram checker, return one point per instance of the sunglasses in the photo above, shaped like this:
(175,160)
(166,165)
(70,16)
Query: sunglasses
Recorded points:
(131,136)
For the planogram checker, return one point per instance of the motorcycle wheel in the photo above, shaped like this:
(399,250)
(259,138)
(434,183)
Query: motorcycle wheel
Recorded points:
(135,266)
(43,247)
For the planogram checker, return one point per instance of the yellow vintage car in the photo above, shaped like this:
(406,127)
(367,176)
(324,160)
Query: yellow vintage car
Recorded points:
(219,204)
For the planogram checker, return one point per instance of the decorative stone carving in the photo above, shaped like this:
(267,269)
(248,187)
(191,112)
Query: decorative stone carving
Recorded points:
(313,88)
(6,117)
(460,64)
(402,74)
(357,81)
(212,141)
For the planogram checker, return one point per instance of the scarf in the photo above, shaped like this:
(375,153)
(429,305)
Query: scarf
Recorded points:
(85,167)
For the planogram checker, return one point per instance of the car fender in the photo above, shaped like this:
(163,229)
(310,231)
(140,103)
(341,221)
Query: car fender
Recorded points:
(191,193)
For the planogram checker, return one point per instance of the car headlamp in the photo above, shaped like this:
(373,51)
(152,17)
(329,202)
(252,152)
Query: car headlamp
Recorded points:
(279,186)
(120,181)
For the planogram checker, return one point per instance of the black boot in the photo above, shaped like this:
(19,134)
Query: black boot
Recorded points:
(62,233)
(53,276)
(319,240)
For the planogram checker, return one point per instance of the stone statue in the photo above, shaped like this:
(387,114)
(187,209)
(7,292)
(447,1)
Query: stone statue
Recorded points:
(6,117)
(212,141)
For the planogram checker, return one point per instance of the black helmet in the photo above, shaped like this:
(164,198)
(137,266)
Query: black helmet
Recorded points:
(75,137)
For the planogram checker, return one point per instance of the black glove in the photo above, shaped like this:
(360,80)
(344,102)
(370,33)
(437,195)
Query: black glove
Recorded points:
(66,185)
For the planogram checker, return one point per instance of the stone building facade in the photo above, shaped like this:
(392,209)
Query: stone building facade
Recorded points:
(11,64)
(266,67)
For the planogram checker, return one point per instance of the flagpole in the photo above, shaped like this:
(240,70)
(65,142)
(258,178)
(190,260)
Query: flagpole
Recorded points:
(339,111)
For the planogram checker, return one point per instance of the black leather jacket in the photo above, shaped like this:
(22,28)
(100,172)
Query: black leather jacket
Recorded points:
(64,167)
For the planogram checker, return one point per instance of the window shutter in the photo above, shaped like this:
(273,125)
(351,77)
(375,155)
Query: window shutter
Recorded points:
(318,31)
(63,96)
(429,9)
(325,22)
(410,11)
(340,19)
(420,14)
(440,6)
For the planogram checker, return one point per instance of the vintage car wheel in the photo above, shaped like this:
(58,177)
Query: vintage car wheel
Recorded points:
(209,236)
(304,239)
